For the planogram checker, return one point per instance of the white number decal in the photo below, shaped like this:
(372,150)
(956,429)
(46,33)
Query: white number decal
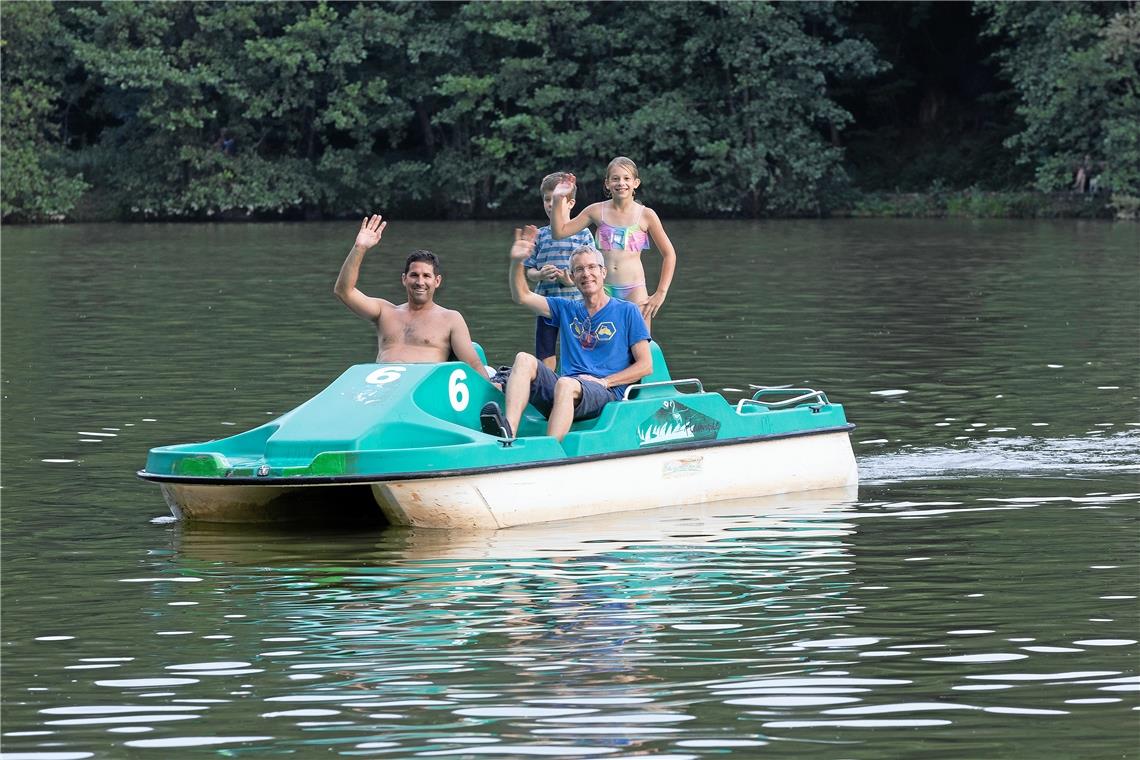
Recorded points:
(385,375)
(458,391)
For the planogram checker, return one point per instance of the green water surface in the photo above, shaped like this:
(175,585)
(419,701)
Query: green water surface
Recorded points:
(975,597)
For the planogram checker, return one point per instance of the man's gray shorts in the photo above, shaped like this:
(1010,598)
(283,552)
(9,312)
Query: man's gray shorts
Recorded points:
(594,395)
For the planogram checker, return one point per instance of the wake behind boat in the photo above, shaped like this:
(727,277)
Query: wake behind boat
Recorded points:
(403,443)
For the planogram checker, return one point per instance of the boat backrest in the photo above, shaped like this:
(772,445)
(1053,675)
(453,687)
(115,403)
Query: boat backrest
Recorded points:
(660,368)
(660,374)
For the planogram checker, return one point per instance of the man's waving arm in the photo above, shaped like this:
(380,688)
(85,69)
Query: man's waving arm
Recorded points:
(345,289)
(520,290)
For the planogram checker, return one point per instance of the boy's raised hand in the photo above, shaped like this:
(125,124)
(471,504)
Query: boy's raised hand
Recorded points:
(564,188)
(371,229)
(524,242)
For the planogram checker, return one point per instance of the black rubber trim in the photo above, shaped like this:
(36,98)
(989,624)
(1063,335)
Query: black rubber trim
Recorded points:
(303,480)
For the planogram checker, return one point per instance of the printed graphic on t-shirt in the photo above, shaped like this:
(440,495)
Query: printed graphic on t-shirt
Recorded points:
(590,335)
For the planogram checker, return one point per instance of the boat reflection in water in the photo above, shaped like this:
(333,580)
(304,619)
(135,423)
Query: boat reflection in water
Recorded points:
(620,596)
(563,639)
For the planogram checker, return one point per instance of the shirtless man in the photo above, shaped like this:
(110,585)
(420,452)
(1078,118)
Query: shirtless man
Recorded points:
(417,331)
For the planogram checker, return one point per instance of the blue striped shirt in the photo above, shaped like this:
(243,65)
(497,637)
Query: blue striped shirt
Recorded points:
(547,250)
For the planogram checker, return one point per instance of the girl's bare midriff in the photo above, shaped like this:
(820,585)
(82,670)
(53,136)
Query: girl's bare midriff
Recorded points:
(624,267)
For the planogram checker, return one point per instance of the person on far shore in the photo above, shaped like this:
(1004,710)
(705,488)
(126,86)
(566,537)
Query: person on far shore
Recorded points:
(419,330)
(624,229)
(1084,169)
(604,342)
(549,266)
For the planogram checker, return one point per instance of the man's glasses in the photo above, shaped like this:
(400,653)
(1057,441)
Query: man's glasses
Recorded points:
(587,268)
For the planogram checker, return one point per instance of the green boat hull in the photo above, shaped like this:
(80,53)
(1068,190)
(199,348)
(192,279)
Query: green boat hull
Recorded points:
(402,443)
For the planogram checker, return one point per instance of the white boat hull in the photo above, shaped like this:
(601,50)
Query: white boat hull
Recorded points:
(621,484)
(503,499)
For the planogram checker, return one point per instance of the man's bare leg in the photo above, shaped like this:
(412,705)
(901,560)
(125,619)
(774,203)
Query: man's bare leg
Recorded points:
(567,391)
(523,372)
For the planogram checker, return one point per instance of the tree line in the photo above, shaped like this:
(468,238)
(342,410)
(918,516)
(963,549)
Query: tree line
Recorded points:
(204,110)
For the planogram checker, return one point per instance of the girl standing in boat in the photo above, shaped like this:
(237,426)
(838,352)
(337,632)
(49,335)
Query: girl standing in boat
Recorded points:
(624,229)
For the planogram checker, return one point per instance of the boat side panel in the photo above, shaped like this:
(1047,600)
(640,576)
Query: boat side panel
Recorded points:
(506,499)
(447,503)
(642,424)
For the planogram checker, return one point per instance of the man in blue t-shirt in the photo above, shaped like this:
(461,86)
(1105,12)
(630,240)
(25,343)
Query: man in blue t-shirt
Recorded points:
(604,345)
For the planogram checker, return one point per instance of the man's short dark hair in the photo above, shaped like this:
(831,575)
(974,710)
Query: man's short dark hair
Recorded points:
(423,255)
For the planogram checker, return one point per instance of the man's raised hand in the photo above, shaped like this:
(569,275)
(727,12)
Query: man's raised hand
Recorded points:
(371,229)
(524,242)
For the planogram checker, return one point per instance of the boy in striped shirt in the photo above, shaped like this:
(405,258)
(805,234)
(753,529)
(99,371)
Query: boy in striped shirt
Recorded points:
(549,267)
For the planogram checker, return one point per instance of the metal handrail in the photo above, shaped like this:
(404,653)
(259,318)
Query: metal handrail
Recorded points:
(659,383)
(806,394)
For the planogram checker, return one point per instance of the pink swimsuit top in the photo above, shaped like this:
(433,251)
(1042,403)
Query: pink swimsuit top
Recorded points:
(631,238)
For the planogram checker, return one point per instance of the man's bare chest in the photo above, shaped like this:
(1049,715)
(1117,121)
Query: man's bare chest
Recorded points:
(414,330)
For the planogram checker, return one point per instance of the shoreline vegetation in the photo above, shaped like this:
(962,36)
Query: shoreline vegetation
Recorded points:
(206,111)
(960,204)
(976,204)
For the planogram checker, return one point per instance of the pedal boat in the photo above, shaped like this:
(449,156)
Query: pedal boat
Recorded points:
(402,443)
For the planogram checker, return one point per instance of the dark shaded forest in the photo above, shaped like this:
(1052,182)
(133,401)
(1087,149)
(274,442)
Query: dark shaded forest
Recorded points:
(297,110)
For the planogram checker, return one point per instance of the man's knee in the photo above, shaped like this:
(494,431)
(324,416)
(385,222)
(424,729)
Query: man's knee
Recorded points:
(567,389)
(525,364)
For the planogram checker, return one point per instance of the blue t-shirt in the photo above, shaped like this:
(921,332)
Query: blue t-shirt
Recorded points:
(598,345)
(547,250)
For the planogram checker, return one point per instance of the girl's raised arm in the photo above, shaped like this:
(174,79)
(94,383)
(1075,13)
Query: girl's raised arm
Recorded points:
(668,264)
(561,225)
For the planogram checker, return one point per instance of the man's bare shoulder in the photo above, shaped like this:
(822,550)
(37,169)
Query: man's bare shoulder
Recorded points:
(444,314)
(433,311)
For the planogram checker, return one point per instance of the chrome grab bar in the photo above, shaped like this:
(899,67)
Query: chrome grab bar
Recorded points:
(805,395)
(659,383)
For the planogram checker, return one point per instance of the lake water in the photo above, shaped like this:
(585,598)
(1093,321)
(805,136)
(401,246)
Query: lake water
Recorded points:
(975,597)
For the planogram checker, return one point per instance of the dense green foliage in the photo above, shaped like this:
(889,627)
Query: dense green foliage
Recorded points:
(235,109)
(1076,67)
(32,185)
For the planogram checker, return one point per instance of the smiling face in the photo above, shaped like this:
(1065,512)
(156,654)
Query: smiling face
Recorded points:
(621,178)
(587,270)
(421,282)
